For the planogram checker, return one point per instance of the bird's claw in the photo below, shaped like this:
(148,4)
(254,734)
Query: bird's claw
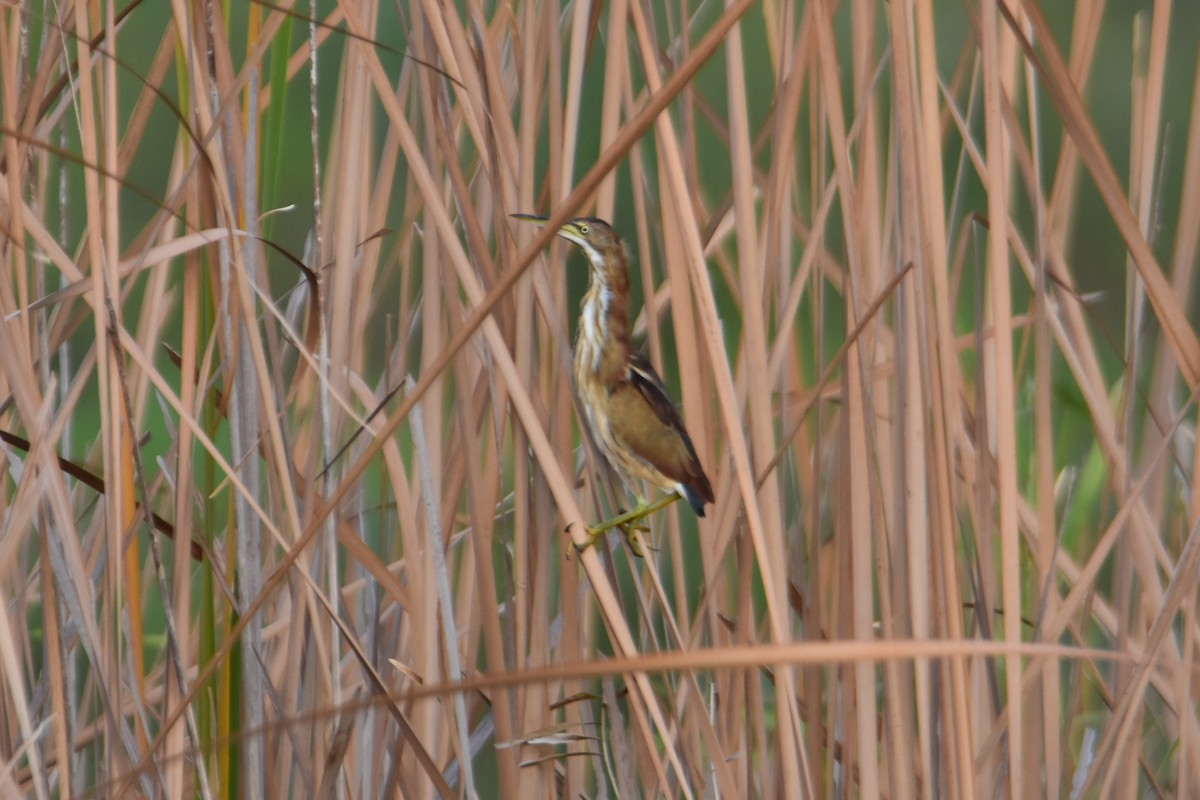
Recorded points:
(631,524)
(593,535)
(633,538)
(631,533)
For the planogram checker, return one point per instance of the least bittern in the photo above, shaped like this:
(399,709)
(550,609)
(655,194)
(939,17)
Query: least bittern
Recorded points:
(632,418)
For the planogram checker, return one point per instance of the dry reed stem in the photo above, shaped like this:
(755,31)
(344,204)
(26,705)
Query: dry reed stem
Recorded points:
(953,547)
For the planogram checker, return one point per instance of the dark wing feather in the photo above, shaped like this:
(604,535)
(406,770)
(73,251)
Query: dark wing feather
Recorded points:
(643,376)
(646,380)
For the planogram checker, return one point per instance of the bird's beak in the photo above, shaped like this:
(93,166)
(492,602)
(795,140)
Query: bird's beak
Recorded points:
(569,231)
(534,218)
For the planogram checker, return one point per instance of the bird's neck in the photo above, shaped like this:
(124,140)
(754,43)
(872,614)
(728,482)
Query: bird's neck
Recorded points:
(602,345)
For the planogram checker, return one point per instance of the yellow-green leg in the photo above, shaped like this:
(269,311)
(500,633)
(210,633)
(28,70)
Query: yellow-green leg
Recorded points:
(630,523)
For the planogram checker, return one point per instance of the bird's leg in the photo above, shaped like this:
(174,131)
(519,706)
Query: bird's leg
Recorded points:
(640,512)
(631,523)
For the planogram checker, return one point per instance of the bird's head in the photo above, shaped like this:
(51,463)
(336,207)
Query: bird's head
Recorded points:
(595,237)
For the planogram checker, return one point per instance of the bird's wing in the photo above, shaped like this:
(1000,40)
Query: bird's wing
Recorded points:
(658,438)
(643,376)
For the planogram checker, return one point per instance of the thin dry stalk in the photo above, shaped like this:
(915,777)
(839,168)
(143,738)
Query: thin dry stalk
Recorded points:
(954,548)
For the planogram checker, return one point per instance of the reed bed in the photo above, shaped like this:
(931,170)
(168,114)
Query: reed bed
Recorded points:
(292,467)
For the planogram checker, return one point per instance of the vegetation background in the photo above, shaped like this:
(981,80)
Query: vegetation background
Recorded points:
(919,273)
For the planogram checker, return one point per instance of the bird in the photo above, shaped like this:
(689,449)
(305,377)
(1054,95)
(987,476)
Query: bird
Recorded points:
(627,408)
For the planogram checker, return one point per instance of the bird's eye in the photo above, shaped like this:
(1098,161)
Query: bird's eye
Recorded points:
(583,229)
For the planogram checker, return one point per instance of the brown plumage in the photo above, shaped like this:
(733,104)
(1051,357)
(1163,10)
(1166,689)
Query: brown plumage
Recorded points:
(631,416)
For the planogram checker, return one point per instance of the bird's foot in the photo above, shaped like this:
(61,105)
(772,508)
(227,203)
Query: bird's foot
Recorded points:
(631,524)
(632,531)
(633,537)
